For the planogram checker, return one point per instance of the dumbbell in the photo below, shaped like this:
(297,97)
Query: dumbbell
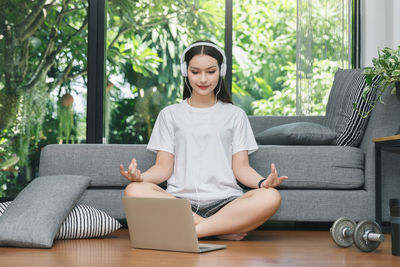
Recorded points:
(366,235)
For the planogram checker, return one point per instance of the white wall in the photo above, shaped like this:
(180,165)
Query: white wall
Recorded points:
(380,27)
(396,23)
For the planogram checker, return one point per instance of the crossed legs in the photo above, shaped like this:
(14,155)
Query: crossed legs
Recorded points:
(232,221)
(243,214)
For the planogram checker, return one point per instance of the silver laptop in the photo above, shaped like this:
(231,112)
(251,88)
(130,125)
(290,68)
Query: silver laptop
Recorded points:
(163,224)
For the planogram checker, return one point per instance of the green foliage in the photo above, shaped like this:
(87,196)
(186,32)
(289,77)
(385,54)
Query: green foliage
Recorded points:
(43,47)
(264,43)
(284,102)
(386,68)
(129,127)
(66,122)
(264,56)
(8,161)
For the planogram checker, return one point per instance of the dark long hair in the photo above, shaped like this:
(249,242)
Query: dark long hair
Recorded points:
(223,94)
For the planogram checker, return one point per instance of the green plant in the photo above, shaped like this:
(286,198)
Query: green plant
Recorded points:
(384,74)
(386,66)
(9,163)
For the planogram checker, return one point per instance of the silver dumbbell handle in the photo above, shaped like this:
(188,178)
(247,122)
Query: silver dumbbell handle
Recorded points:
(347,232)
(371,236)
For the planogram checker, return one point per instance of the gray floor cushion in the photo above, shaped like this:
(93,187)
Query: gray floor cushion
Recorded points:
(36,214)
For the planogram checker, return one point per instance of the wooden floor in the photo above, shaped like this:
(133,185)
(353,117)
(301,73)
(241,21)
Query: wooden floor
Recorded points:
(260,248)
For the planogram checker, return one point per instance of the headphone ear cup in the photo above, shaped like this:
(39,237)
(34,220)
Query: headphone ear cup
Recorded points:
(223,70)
(184,69)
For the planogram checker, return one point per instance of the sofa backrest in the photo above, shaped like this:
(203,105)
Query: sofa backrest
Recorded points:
(384,119)
(93,160)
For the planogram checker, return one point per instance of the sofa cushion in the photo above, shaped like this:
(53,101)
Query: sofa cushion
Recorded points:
(297,133)
(341,114)
(312,167)
(36,214)
(82,222)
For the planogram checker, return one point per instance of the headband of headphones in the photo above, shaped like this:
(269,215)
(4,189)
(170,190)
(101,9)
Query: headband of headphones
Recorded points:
(184,66)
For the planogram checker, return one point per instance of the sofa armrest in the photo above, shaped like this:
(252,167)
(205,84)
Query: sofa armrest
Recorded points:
(384,121)
(261,123)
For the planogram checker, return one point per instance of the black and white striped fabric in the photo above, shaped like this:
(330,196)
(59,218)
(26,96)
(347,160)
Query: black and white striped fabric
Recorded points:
(341,116)
(82,222)
(3,206)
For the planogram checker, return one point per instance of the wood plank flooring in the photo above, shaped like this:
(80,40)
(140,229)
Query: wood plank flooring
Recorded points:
(260,248)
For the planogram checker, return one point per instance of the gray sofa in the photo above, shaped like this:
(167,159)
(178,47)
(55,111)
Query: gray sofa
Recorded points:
(325,181)
(314,190)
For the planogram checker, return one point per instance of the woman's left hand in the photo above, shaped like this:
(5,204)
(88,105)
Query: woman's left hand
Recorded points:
(273,180)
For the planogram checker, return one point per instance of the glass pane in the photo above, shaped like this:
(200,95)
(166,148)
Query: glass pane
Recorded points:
(42,85)
(323,46)
(264,56)
(145,40)
(267,78)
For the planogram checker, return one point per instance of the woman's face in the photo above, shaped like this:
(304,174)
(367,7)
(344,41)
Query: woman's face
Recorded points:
(203,74)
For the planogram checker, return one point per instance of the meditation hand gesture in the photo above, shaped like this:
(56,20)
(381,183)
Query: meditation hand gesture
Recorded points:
(133,174)
(273,180)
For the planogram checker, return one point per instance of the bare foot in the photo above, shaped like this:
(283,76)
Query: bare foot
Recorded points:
(233,237)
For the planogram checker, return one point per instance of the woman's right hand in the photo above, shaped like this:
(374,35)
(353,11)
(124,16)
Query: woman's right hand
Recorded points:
(133,174)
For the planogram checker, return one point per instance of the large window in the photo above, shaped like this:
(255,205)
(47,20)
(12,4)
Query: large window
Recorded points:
(43,51)
(100,70)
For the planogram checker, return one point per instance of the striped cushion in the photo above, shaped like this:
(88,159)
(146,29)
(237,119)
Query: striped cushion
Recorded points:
(3,206)
(341,116)
(82,222)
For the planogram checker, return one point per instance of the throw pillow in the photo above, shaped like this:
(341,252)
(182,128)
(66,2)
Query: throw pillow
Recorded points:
(297,133)
(82,222)
(347,92)
(36,214)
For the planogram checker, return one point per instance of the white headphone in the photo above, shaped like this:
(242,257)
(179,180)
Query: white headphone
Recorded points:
(184,65)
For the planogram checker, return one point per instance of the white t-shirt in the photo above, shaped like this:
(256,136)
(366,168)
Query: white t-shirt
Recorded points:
(203,141)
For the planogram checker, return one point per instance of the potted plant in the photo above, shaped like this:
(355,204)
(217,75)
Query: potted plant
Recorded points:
(384,74)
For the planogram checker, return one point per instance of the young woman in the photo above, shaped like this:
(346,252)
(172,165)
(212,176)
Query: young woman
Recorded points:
(202,147)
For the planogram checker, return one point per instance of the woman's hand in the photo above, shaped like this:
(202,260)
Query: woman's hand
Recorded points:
(273,180)
(133,174)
